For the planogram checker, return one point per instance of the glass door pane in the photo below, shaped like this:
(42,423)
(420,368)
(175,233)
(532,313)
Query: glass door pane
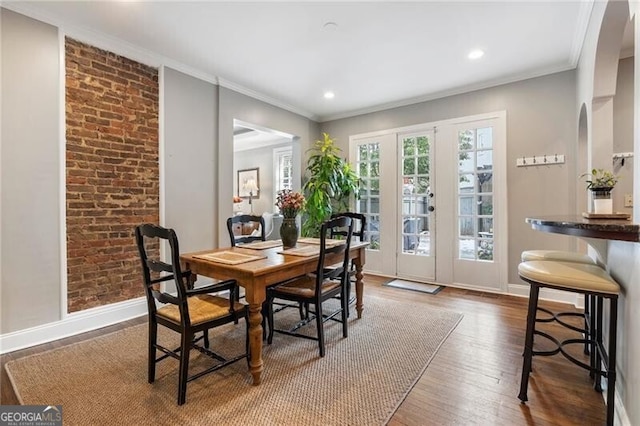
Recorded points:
(475,194)
(415,187)
(368,167)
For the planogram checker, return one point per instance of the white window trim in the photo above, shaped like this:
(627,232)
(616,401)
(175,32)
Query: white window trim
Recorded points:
(278,154)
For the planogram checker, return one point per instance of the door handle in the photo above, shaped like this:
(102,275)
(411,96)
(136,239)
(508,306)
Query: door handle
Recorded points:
(431,208)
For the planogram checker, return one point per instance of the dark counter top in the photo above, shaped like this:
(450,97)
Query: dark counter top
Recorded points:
(609,229)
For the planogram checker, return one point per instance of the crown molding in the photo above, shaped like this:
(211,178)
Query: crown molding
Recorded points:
(150,58)
(147,57)
(265,98)
(584,16)
(446,93)
(107,42)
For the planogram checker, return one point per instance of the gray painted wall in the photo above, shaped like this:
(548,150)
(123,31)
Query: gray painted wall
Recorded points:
(234,105)
(30,173)
(623,133)
(190,159)
(31,160)
(541,120)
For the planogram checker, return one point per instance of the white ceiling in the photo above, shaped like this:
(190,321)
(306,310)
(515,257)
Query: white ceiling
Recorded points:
(249,136)
(381,54)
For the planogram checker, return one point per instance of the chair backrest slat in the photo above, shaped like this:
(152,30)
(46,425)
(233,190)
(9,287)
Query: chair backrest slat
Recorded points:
(359,226)
(242,220)
(158,266)
(161,279)
(328,229)
(149,232)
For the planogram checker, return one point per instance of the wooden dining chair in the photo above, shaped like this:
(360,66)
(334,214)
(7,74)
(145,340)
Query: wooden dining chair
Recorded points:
(251,222)
(188,312)
(359,229)
(242,229)
(327,282)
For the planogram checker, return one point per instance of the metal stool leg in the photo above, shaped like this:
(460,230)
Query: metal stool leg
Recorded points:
(587,318)
(597,385)
(593,314)
(528,343)
(611,361)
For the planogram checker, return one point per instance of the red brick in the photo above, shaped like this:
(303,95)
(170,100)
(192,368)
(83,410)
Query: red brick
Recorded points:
(112,172)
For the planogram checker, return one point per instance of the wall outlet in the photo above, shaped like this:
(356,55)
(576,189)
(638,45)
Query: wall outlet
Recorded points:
(628,200)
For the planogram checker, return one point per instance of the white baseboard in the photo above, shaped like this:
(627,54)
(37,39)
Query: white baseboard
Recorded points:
(620,414)
(73,324)
(621,418)
(514,290)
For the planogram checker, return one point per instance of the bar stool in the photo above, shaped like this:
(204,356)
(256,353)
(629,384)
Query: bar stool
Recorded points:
(557,255)
(589,280)
(567,256)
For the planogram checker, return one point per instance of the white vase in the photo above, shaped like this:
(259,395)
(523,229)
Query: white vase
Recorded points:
(602,202)
(603,206)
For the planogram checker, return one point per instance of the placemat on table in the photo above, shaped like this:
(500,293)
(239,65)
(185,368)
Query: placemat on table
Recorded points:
(261,245)
(230,257)
(329,241)
(306,251)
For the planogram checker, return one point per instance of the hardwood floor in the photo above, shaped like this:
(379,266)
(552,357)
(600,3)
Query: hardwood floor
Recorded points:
(475,376)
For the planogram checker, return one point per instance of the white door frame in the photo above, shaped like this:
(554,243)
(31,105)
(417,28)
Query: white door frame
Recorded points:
(446,191)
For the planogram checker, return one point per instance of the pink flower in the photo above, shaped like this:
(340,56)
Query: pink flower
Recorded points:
(290,203)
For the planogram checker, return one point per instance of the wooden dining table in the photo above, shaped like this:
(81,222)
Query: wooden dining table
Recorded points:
(269,268)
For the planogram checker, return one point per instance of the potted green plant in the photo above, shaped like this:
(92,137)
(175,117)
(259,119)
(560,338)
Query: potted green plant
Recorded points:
(329,183)
(600,182)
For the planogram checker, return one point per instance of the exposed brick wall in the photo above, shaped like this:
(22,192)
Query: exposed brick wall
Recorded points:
(112,175)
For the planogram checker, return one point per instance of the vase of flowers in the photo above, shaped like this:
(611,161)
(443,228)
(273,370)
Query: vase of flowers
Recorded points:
(290,204)
(600,182)
(237,205)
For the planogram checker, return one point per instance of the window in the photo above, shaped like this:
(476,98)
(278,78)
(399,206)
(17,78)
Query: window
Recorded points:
(283,166)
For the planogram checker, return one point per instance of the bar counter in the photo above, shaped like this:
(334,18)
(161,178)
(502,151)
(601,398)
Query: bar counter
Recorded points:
(578,226)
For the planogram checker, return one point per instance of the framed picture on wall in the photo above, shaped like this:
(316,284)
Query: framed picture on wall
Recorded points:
(249,183)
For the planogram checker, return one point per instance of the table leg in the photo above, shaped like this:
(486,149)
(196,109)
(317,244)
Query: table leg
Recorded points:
(255,341)
(359,289)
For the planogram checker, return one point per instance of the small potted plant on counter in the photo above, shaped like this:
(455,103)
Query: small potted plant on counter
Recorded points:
(600,182)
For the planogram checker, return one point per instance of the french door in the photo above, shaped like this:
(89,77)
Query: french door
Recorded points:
(435,199)
(415,235)
(396,196)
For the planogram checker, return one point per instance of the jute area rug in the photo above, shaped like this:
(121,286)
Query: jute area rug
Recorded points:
(361,380)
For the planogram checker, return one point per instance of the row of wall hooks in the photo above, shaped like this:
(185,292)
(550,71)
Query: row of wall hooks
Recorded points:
(540,160)
(621,156)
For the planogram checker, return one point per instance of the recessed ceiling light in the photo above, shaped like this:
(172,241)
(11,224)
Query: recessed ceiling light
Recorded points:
(330,26)
(476,54)
(329,95)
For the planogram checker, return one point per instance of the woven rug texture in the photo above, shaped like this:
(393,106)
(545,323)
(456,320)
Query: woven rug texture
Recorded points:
(361,380)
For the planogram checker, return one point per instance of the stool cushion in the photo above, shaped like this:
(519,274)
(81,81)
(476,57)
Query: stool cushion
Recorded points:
(569,275)
(559,255)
